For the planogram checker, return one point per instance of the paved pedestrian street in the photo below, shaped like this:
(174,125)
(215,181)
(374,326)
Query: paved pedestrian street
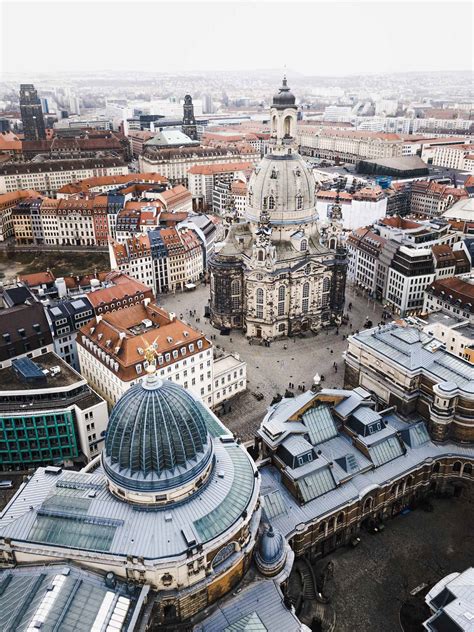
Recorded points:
(271,369)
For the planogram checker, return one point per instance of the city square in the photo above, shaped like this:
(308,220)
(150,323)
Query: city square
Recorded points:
(270,370)
(237,317)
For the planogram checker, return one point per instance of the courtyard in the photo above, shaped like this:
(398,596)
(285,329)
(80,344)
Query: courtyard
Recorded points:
(270,370)
(371,582)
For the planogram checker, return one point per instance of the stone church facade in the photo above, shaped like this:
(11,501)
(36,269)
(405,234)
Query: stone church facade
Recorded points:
(273,276)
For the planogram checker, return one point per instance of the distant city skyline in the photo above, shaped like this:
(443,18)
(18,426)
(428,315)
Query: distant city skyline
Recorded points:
(311,38)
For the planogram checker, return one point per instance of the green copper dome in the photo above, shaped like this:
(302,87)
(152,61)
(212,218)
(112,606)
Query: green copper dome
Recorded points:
(157,438)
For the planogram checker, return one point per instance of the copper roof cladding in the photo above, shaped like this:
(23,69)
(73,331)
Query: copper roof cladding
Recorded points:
(157,438)
(117,327)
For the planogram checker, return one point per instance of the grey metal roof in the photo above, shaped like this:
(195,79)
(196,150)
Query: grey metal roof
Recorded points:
(60,511)
(249,623)
(366,415)
(263,597)
(274,504)
(296,445)
(453,597)
(385,450)
(316,484)
(417,351)
(320,424)
(352,489)
(54,598)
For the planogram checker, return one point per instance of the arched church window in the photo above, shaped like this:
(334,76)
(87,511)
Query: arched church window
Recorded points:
(260,255)
(305,301)
(259,300)
(304,245)
(299,202)
(271,202)
(235,294)
(287,126)
(326,284)
(281,300)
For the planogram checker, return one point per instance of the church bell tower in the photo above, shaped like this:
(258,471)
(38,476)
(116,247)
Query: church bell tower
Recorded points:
(284,115)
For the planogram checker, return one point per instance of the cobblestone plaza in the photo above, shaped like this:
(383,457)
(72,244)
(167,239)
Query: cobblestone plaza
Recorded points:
(270,370)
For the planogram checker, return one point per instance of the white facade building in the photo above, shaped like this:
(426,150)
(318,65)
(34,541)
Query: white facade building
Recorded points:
(50,176)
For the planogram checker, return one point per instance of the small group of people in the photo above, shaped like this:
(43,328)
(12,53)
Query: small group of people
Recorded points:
(301,387)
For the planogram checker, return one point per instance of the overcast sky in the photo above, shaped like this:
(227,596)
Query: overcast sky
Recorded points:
(308,37)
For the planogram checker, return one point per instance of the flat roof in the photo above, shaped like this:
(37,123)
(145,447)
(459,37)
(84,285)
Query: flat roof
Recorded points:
(10,381)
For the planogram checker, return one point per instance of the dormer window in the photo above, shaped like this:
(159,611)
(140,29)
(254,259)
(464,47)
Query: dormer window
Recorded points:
(274,174)
(299,202)
(271,203)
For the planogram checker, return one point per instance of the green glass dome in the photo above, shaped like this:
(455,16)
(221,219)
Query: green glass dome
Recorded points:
(157,438)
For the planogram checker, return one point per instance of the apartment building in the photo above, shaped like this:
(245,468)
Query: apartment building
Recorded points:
(454,156)
(202,180)
(431,199)
(24,329)
(348,145)
(452,296)
(8,201)
(365,268)
(166,259)
(38,427)
(114,347)
(397,258)
(125,183)
(67,314)
(175,164)
(50,175)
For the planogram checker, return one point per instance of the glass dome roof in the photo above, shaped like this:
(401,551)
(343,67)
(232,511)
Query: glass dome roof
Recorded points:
(157,437)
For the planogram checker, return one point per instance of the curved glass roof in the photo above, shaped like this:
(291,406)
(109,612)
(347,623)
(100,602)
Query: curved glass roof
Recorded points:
(157,437)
